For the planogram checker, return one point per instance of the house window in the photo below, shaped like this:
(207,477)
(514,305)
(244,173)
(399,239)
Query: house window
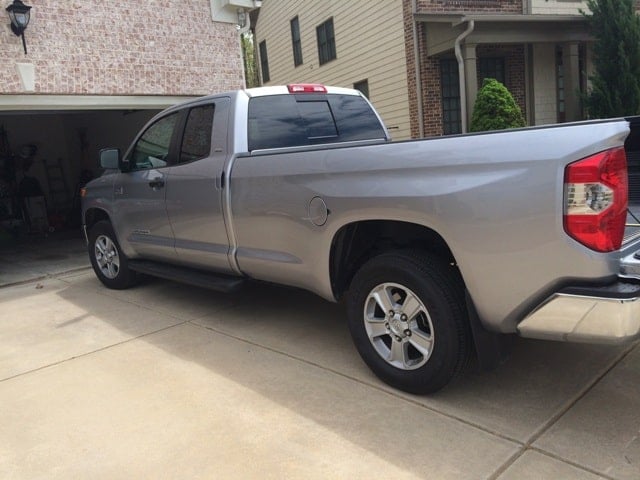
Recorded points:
(295,40)
(363,87)
(562,116)
(450,84)
(326,42)
(264,61)
(491,68)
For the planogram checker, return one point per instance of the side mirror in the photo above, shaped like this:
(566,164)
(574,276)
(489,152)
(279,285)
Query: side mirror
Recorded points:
(110,158)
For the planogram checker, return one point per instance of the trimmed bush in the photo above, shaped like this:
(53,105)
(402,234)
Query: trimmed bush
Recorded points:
(495,108)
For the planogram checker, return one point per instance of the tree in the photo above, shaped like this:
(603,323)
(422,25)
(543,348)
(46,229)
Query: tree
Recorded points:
(495,108)
(615,90)
(249,59)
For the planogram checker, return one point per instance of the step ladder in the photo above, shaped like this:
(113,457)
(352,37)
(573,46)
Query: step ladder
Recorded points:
(59,195)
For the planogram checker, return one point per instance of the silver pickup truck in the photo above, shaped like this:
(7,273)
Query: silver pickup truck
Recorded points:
(438,247)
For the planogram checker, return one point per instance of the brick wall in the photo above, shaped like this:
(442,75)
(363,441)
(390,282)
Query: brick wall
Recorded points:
(139,47)
(407,21)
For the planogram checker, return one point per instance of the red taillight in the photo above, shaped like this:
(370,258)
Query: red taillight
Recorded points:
(595,200)
(306,88)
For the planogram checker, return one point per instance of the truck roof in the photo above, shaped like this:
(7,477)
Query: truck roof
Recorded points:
(259,92)
(284,90)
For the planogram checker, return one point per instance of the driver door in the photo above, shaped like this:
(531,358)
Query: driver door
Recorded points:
(139,194)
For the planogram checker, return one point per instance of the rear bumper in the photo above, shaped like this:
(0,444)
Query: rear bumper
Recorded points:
(608,314)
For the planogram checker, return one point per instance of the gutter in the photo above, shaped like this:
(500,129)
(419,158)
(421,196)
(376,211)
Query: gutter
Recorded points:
(461,73)
(416,56)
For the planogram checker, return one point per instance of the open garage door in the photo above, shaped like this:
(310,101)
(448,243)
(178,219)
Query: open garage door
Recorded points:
(46,155)
(48,149)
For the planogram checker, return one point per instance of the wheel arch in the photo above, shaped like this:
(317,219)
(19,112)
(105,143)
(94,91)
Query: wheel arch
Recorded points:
(355,243)
(93,216)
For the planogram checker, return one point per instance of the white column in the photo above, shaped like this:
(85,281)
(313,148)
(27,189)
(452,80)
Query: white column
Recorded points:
(471,78)
(571,66)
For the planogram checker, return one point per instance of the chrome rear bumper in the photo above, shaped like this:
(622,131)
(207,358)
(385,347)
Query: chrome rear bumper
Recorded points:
(630,266)
(592,315)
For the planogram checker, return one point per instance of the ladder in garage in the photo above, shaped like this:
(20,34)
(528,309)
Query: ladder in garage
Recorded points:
(58,189)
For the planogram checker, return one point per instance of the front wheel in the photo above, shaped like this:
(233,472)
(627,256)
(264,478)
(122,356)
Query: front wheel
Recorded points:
(408,320)
(108,262)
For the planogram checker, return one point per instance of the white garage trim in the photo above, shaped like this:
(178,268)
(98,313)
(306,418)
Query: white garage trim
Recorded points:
(88,102)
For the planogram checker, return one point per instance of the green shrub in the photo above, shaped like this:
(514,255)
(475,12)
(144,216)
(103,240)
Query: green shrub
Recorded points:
(495,108)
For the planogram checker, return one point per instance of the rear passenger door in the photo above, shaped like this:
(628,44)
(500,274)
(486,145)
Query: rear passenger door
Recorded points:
(194,190)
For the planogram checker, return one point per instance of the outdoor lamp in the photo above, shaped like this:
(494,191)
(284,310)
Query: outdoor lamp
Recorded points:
(19,15)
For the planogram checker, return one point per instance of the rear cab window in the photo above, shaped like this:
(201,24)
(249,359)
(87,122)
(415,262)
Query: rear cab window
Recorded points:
(295,120)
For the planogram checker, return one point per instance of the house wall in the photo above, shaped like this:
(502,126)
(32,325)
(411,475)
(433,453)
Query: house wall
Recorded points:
(430,66)
(542,63)
(139,47)
(369,45)
(431,87)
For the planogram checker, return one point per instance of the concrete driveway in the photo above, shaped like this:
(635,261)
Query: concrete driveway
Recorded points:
(171,381)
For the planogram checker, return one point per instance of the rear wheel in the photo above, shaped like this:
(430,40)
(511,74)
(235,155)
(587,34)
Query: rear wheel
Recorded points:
(107,259)
(408,320)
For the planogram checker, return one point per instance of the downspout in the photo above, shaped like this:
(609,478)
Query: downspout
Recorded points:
(463,88)
(416,60)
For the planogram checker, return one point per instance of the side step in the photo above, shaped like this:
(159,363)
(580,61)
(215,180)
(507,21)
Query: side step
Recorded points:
(199,278)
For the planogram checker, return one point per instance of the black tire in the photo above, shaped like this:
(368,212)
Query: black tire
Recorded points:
(109,263)
(427,340)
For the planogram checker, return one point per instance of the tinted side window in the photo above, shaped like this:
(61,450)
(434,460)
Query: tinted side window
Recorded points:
(196,140)
(355,118)
(152,149)
(296,120)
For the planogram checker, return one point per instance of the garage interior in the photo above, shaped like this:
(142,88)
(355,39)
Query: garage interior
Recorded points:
(46,156)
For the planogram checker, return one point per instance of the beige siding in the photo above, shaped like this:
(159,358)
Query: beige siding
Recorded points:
(558,7)
(369,46)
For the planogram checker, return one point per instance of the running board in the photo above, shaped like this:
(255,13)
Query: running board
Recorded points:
(199,278)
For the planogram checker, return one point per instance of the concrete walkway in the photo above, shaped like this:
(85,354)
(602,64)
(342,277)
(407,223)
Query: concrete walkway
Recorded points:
(170,381)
